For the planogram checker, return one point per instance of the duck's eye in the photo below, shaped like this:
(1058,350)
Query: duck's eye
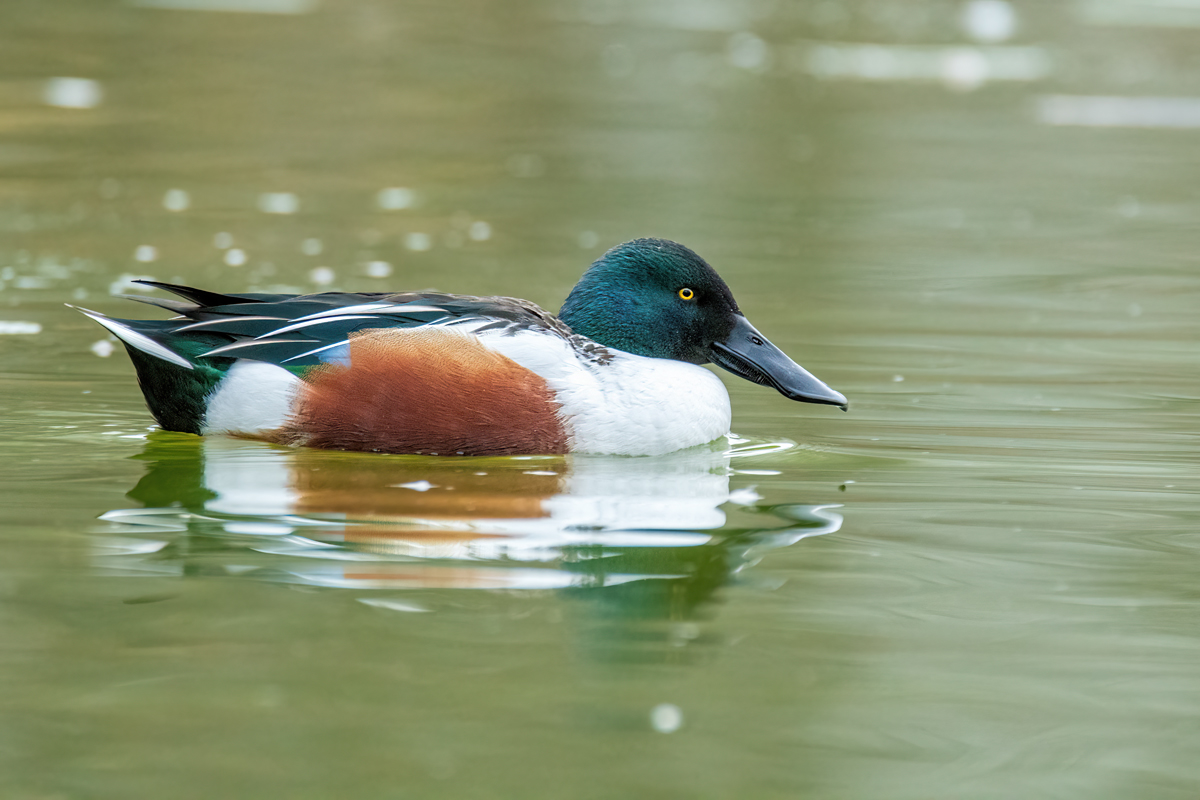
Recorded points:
(686,293)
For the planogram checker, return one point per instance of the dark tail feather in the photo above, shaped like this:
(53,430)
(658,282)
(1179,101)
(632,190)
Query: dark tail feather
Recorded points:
(200,296)
(176,306)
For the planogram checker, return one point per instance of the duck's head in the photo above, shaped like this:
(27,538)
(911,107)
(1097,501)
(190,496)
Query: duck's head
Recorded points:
(657,298)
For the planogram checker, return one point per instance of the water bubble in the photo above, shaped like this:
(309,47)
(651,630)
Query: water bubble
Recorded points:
(964,69)
(747,51)
(321,276)
(311,247)
(72,93)
(12,327)
(418,242)
(145,253)
(103,348)
(278,203)
(745,496)
(223,240)
(395,198)
(235,257)
(416,486)
(176,200)
(480,231)
(393,605)
(378,269)
(989,21)
(666,718)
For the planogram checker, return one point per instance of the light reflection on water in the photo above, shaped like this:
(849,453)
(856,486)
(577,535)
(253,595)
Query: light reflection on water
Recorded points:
(377,522)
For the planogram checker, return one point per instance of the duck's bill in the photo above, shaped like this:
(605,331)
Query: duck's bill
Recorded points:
(748,354)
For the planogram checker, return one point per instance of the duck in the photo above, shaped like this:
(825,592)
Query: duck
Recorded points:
(618,371)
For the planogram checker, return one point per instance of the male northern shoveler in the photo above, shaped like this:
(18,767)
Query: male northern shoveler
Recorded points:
(617,371)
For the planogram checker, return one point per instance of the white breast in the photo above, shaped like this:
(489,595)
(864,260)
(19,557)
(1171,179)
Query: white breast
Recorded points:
(631,405)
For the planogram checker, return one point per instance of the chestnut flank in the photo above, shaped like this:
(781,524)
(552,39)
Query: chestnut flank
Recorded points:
(426,391)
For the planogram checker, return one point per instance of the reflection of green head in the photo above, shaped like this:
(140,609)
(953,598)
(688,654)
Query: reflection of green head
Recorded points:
(679,583)
(652,297)
(174,472)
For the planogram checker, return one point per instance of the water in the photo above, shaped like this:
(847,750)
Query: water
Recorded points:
(978,583)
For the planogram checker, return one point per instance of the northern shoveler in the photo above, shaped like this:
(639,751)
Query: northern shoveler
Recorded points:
(617,371)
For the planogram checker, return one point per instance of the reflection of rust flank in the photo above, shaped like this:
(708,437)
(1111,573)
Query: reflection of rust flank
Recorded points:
(372,488)
(438,576)
(426,391)
(423,537)
(400,503)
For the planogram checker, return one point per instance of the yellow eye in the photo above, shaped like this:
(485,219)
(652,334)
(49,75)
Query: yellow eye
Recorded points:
(686,293)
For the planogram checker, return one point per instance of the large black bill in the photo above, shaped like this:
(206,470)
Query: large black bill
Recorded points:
(747,354)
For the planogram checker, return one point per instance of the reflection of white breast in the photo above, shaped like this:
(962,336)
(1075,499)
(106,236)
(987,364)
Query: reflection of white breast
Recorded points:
(677,491)
(247,479)
(667,500)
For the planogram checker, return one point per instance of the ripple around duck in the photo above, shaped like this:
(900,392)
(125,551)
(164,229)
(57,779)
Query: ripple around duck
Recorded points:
(350,520)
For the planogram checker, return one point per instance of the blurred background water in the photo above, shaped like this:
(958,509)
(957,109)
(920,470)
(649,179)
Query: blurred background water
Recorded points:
(976,219)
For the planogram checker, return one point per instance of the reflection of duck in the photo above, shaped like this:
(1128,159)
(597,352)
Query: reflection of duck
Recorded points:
(616,372)
(402,522)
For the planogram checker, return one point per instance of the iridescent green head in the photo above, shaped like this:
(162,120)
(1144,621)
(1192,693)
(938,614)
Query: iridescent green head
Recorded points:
(657,298)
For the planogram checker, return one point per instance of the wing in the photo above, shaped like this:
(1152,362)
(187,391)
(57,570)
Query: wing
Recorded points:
(297,331)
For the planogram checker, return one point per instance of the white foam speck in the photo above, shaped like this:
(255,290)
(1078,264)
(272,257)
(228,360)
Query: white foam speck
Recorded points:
(480,231)
(418,242)
(378,269)
(749,52)
(103,348)
(416,486)
(18,328)
(989,21)
(321,276)
(278,203)
(1120,112)
(744,497)
(176,200)
(223,241)
(235,257)
(395,198)
(965,69)
(72,93)
(311,247)
(145,253)
(666,718)
(393,605)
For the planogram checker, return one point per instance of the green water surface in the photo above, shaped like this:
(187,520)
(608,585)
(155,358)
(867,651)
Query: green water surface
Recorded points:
(981,582)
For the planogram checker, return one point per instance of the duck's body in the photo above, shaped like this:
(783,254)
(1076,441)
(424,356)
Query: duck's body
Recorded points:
(455,375)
